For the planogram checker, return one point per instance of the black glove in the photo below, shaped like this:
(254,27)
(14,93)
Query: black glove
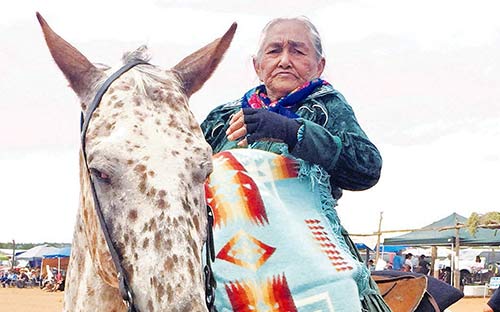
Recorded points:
(263,124)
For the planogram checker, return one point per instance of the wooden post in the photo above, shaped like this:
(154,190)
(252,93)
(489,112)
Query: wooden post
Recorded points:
(481,226)
(379,233)
(13,253)
(456,272)
(434,253)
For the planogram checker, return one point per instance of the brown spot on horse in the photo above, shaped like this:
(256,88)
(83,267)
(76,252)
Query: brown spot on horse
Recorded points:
(132,215)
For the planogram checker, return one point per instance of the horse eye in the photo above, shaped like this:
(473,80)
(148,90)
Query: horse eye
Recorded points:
(100,176)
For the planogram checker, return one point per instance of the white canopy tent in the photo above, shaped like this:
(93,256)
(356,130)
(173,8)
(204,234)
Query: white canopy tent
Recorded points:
(37,252)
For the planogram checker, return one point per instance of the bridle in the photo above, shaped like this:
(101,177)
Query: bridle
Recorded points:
(124,286)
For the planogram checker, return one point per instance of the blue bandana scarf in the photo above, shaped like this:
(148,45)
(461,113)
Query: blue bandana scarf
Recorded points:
(257,98)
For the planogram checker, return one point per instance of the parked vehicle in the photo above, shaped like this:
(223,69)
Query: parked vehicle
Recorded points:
(471,271)
(492,261)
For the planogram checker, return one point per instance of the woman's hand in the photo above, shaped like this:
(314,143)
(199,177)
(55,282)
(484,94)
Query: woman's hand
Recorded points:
(237,129)
(260,124)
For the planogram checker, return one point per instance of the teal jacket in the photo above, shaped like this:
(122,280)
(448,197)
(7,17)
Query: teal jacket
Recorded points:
(330,136)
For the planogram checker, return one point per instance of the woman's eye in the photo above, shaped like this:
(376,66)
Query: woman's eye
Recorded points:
(100,176)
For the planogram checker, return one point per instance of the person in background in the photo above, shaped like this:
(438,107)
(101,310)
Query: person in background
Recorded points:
(23,278)
(397,261)
(371,265)
(408,264)
(423,265)
(35,277)
(4,278)
(478,265)
(296,112)
(477,269)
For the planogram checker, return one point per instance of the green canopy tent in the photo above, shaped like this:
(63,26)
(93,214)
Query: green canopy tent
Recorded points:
(432,235)
(444,233)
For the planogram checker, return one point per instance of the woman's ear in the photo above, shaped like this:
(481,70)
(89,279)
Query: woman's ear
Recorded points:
(256,67)
(321,66)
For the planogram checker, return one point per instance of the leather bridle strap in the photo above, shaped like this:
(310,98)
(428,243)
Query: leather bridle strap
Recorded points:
(97,99)
(210,283)
(125,291)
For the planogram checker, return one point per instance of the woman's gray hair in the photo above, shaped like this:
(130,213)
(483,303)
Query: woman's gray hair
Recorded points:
(315,37)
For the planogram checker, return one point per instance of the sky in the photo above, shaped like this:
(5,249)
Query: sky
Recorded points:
(422,77)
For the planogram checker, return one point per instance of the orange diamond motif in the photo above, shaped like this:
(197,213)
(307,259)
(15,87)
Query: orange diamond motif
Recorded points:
(246,251)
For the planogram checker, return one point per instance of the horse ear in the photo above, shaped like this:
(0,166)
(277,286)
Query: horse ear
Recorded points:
(195,69)
(81,74)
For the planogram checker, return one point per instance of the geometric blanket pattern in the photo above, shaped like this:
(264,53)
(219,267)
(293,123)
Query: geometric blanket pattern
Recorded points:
(276,250)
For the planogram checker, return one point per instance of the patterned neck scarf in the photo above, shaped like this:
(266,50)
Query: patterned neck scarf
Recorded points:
(257,98)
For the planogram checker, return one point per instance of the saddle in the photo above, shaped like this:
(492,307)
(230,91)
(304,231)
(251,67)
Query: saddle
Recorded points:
(404,293)
(412,292)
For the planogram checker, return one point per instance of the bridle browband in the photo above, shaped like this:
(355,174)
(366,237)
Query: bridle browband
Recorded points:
(124,287)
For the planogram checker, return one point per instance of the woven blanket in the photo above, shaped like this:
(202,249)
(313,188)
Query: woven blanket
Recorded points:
(277,237)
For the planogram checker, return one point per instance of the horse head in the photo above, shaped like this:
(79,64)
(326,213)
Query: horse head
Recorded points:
(147,159)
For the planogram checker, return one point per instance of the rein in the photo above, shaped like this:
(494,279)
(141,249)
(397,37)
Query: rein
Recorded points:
(124,286)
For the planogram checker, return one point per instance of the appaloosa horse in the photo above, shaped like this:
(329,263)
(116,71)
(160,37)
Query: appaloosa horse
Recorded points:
(142,168)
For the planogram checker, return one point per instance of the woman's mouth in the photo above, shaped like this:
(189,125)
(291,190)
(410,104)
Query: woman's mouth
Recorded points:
(284,74)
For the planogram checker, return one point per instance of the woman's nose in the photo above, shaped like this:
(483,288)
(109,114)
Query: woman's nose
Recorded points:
(284,60)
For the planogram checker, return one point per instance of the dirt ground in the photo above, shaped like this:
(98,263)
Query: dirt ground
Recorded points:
(37,300)
(30,300)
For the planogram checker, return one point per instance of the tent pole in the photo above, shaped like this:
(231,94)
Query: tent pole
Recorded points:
(452,262)
(13,253)
(456,277)
(379,233)
(434,253)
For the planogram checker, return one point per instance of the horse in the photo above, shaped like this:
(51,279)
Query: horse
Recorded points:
(142,219)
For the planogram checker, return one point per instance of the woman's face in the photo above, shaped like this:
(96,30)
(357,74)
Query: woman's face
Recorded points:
(287,59)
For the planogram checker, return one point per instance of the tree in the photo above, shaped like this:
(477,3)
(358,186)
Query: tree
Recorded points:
(489,220)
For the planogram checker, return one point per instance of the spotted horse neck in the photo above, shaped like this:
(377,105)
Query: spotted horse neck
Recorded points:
(148,160)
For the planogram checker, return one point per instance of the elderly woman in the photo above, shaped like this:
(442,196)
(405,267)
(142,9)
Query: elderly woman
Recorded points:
(295,112)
